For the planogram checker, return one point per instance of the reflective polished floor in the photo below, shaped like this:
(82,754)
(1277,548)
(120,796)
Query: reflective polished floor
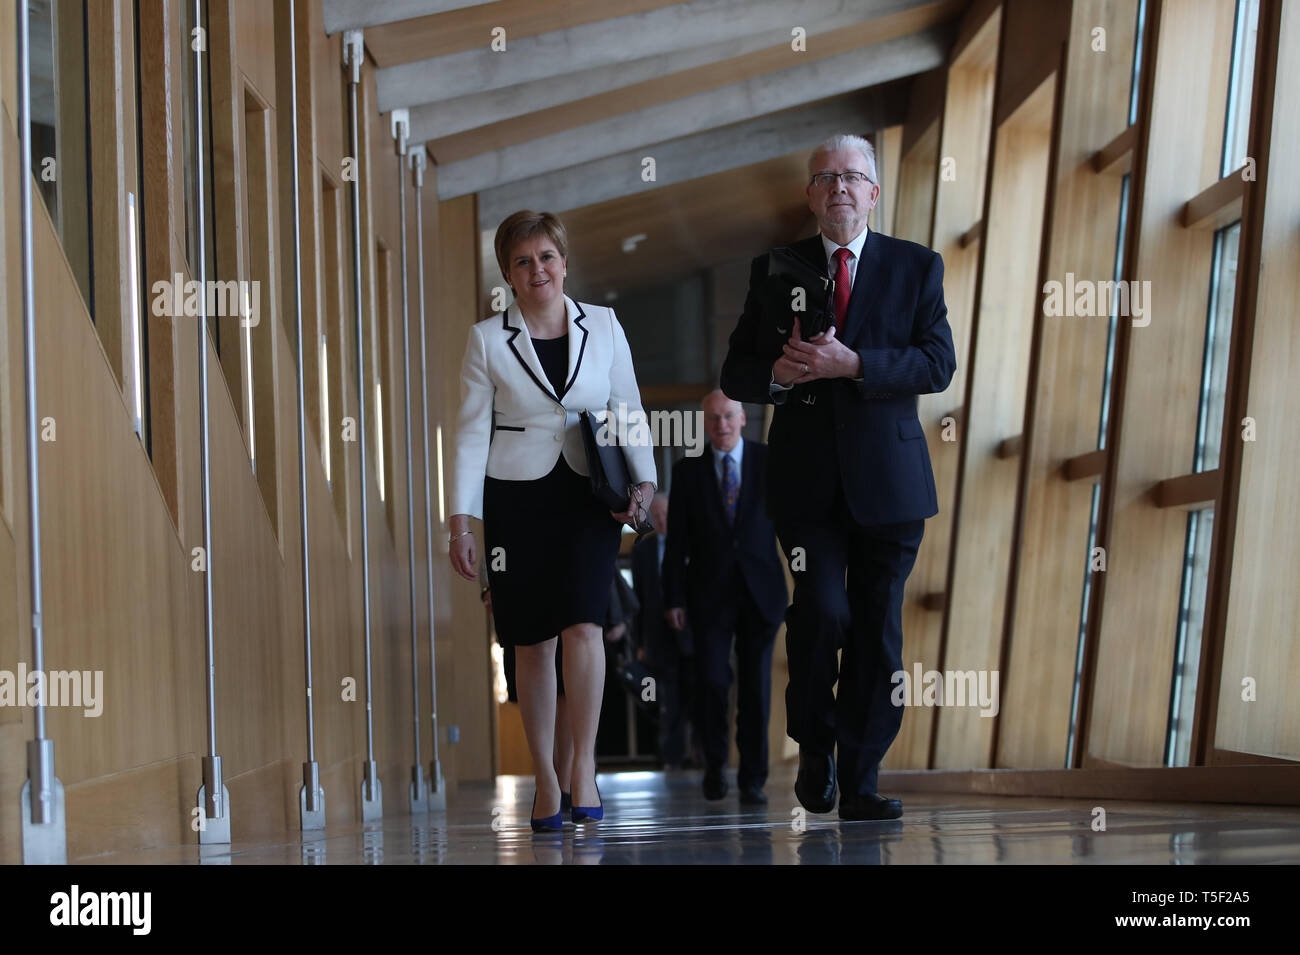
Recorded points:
(661,818)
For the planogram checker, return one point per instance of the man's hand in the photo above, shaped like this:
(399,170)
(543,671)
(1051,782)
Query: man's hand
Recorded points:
(676,617)
(821,357)
(786,371)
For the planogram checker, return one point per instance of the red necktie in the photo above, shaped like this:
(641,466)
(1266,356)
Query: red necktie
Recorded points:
(843,285)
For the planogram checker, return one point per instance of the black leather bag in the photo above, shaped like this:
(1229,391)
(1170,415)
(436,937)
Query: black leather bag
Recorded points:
(787,274)
(607,467)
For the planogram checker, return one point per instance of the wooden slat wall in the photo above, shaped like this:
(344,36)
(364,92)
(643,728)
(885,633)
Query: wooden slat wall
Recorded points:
(460,612)
(964,136)
(120,595)
(917,174)
(1260,637)
(1128,712)
(995,405)
(1066,381)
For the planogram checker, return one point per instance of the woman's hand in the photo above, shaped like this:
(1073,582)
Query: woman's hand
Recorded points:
(461,549)
(637,511)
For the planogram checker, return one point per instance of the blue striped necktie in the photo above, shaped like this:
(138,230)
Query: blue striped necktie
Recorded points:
(730,488)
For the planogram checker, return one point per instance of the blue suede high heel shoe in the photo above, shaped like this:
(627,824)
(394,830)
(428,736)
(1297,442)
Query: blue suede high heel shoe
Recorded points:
(582,814)
(553,823)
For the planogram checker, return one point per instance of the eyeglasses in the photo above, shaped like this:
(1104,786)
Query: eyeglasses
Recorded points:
(851,178)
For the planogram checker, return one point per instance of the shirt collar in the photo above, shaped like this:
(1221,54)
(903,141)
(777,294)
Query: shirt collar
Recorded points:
(855,245)
(737,454)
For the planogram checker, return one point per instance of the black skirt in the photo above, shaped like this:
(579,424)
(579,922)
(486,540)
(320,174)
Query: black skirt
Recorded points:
(550,549)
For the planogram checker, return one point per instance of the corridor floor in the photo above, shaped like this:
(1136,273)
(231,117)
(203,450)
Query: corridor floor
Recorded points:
(661,818)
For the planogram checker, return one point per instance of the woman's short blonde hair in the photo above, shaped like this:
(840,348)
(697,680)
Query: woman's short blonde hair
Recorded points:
(524,225)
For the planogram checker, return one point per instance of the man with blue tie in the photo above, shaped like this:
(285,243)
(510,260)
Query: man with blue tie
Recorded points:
(722,572)
(850,483)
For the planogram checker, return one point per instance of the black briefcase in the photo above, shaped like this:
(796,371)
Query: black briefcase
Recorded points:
(607,467)
(793,281)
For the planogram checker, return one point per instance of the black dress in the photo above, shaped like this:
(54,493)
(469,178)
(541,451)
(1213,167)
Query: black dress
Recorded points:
(550,545)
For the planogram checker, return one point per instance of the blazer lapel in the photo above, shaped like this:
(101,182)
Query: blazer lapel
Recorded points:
(866,289)
(513,322)
(577,341)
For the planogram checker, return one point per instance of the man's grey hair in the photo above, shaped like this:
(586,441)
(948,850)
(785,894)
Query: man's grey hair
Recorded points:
(846,141)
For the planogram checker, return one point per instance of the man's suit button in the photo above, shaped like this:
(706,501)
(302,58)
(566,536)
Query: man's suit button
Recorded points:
(559,437)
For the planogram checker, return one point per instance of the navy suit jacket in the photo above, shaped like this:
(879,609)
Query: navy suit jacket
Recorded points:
(698,533)
(862,436)
(656,636)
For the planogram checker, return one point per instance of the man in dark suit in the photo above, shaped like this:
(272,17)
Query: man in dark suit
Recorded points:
(722,572)
(850,483)
(667,653)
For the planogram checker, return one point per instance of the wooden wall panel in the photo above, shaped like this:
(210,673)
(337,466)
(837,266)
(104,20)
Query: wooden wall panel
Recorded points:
(459,609)
(162,230)
(1128,713)
(1264,604)
(1033,34)
(917,175)
(995,406)
(1066,381)
(887,144)
(120,594)
(440,345)
(958,203)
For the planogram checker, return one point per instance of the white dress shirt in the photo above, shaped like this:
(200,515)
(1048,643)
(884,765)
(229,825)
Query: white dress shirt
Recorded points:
(855,249)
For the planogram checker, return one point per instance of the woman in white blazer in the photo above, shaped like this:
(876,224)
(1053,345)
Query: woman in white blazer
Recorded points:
(520,466)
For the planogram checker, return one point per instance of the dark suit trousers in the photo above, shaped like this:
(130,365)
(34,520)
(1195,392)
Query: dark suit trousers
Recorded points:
(737,616)
(848,595)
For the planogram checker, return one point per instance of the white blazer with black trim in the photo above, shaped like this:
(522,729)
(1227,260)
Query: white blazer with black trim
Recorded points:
(513,427)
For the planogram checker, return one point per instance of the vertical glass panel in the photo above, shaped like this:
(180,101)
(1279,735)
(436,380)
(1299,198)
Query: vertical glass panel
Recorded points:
(1187,645)
(380,470)
(325,405)
(60,129)
(1137,63)
(1108,370)
(1218,335)
(1240,85)
(196,30)
(142,301)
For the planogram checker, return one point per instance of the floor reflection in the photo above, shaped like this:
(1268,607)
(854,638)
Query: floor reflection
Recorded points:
(656,818)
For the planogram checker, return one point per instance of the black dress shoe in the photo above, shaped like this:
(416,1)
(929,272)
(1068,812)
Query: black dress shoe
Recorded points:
(875,806)
(752,796)
(715,785)
(814,787)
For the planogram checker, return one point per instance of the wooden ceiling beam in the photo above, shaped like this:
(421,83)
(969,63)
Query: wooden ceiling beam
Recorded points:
(442,34)
(340,15)
(646,131)
(690,157)
(533,111)
(602,42)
